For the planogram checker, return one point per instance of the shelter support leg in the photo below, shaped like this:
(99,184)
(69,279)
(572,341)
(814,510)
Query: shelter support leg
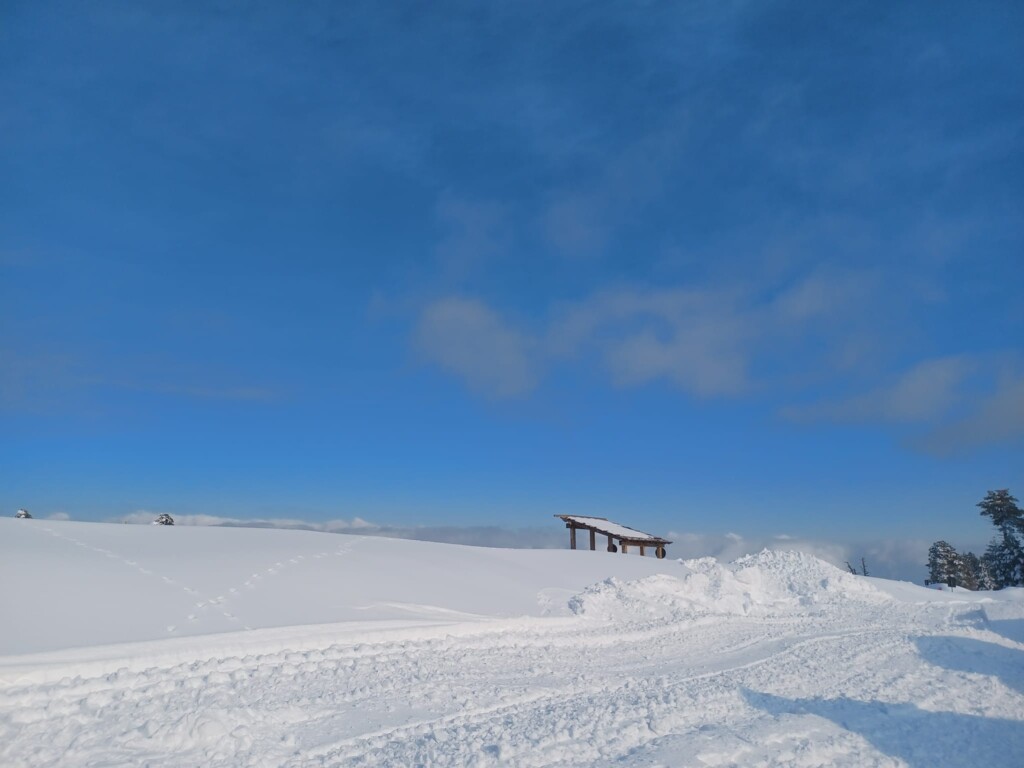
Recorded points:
(572,537)
(593,540)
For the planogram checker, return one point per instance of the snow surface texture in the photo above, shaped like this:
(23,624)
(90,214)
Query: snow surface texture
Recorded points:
(144,645)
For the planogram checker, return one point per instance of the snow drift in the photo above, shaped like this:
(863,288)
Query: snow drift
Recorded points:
(757,585)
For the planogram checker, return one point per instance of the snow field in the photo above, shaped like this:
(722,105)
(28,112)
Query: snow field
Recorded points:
(775,660)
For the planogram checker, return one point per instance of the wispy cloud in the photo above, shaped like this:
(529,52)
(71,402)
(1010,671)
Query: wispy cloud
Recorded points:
(730,340)
(925,392)
(469,339)
(997,418)
(709,340)
(50,381)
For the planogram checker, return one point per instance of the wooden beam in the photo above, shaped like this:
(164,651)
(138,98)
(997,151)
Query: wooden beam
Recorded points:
(572,537)
(642,550)
(624,545)
(593,540)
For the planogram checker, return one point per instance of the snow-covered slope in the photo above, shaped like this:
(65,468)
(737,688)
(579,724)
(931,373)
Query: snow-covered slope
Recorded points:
(131,645)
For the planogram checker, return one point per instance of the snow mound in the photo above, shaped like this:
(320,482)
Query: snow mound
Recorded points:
(755,585)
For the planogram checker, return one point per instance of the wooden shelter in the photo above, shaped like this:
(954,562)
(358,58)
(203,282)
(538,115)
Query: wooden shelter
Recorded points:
(627,537)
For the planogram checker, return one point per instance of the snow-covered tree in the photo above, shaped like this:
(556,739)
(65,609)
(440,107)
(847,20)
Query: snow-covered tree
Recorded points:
(986,580)
(1002,508)
(943,562)
(968,571)
(1005,555)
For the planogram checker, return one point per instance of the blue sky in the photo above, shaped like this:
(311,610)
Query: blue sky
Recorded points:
(703,267)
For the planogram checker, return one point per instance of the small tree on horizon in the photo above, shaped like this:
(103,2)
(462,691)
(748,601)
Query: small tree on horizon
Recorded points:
(943,562)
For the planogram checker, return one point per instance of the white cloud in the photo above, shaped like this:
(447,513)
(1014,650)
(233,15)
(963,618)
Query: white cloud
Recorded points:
(698,339)
(469,339)
(730,341)
(996,418)
(925,392)
(706,341)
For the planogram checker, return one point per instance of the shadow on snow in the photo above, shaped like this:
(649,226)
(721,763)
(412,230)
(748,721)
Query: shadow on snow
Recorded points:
(921,738)
(965,654)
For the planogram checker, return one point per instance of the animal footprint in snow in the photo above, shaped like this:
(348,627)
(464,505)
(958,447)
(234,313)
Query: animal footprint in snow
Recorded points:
(168,580)
(171,628)
(193,617)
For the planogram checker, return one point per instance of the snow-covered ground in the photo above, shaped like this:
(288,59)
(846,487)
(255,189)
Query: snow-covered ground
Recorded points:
(125,645)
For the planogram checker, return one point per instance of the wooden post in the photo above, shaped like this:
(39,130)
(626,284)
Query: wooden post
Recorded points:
(642,551)
(611,546)
(593,540)
(572,537)
(624,545)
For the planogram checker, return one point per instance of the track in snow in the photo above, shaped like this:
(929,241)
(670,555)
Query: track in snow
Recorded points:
(805,689)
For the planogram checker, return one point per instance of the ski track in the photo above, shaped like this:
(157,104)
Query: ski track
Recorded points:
(204,601)
(715,691)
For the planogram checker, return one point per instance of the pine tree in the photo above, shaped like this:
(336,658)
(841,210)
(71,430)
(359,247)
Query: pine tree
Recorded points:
(1004,558)
(986,580)
(968,567)
(942,562)
(1002,508)
(1005,555)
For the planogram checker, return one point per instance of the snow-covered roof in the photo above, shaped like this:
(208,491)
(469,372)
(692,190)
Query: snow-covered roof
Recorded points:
(605,526)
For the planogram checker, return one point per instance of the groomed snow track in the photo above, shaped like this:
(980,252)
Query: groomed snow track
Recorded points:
(715,691)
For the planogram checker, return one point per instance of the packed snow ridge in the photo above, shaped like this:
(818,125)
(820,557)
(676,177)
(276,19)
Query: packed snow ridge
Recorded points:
(169,646)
